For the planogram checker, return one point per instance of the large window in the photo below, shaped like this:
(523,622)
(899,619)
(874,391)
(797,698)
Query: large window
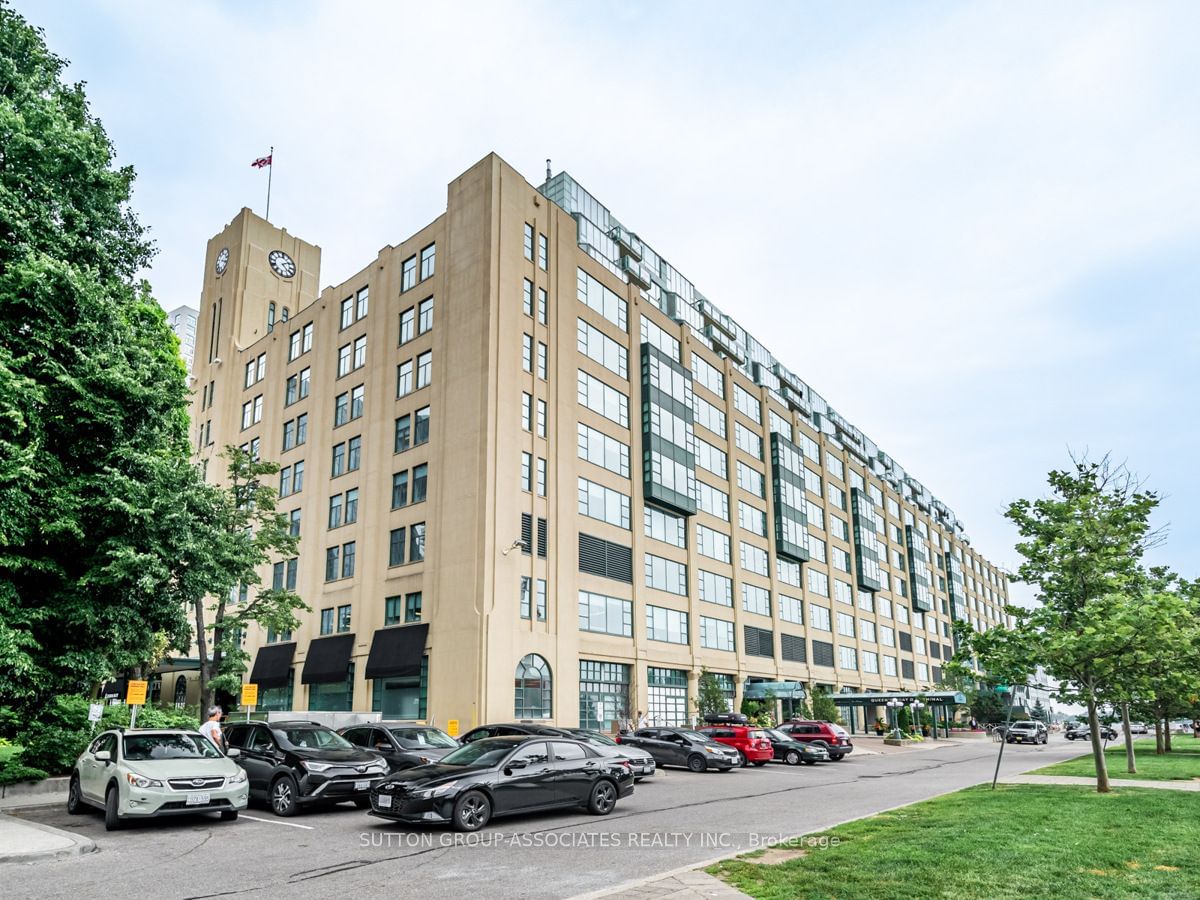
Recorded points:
(605,504)
(716,634)
(334,696)
(756,599)
(715,588)
(666,575)
(669,625)
(533,688)
(605,615)
(596,296)
(599,347)
(712,544)
(664,526)
(600,398)
(667,705)
(603,694)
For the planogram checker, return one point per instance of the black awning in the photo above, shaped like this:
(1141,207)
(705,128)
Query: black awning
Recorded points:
(116,686)
(328,659)
(397,651)
(272,664)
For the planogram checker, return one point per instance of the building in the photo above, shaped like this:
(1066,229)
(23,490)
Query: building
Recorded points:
(182,320)
(538,475)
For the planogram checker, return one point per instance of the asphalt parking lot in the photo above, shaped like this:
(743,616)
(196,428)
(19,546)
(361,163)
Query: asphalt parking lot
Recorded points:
(673,820)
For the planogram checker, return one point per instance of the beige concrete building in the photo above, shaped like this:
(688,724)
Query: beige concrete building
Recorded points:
(538,475)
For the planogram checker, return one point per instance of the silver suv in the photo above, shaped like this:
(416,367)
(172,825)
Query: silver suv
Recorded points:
(162,772)
(1028,732)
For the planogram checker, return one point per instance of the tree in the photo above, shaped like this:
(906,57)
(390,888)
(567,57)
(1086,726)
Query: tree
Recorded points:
(823,707)
(1038,712)
(1082,548)
(710,696)
(93,394)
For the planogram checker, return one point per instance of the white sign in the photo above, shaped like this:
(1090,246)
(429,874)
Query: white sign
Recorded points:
(95,711)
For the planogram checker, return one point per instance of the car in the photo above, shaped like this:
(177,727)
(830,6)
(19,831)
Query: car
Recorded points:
(1027,732)
(683,747)
(402,744)
(793,752)
(1083,733)
(512,728)
(830,735)
(1138,728)
(641,762)
(145,773)
(750,742)
(293,764)
(499,776)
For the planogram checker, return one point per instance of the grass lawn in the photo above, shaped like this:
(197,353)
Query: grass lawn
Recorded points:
(1183,762)
(1017,841)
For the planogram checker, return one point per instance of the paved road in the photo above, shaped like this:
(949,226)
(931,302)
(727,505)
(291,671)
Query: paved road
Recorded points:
(676,819)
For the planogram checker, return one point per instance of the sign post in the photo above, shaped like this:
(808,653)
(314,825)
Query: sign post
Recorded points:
(135,696)
(249,697)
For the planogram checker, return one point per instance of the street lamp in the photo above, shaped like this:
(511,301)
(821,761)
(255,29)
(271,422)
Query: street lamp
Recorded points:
(893,706)
(917,706)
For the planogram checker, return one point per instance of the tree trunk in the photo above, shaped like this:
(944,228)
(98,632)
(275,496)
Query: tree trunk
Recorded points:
(202,654)
(1158,736)
(1130,764)
(1097,747)
(1167,734)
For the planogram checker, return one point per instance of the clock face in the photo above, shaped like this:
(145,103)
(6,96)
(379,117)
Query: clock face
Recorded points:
(281,264)
(222,260)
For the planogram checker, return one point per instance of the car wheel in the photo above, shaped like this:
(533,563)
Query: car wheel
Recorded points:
(810,762)
(836,756)
(792,758)
(742,762)
(74,797)
(112,802)
(283,796)
(362,803)
(603,799)
(229,815)
(697,763)
(472,811)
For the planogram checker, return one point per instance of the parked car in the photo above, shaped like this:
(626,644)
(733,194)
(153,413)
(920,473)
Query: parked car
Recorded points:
(1138,728)
(787,749)
(294,764)
(402,744)
(683,747)
(640,761)
(831,736)
(1083,733)
(513,728)
(1027,732)
(140,774)
(499,776)
(750,742)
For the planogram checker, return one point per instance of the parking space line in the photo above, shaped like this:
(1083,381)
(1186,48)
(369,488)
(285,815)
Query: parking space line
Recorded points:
(275,822)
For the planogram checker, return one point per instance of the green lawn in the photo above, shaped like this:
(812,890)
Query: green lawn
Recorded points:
(1183,762)
(1019,841)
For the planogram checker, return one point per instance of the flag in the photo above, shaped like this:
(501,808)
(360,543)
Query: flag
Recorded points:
(262,161)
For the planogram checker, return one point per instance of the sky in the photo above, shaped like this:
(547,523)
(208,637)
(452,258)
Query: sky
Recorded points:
(973,228)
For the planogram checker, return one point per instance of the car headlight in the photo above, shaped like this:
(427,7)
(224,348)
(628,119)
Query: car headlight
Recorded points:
(712,750)
(378,767)
(439,789)
(238,777)
(141,781)
(315,766)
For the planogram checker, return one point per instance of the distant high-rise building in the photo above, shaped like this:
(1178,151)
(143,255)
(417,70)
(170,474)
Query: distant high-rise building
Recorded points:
(182,320)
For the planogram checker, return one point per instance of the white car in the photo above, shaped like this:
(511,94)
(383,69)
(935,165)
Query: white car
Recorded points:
(161,772)
(1138,728)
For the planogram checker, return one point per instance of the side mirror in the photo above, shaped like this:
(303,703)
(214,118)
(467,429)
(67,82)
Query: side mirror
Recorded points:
(518,764)
(233,751)
(103,756)
(383,746)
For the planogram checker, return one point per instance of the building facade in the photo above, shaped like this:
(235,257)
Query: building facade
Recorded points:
(537,475)
(182,320)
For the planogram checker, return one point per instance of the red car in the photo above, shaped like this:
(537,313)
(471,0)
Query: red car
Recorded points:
(823,734)
(751,743)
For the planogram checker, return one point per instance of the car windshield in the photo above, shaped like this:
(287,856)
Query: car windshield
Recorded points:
(168,746)
(481,754)
(313,738)
(421,738)
(594,737)
(773,735)
(1023,725)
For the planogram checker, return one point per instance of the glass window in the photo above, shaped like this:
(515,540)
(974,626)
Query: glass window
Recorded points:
(605,504)
(407,321)
(533,689)
(424,369)
(818,583)
(428,258)
(399,490)
(716,634)
(408,273)
(419,482)
(600,398)
(712,544)
(361,303)
(664,526)
(348,555)
(715,588)
(421,426)
(599,347)
(416,543)
(425,315)
(666,575)
(396,545)
(756,599)
(605,615)
(596,296)
(667,625)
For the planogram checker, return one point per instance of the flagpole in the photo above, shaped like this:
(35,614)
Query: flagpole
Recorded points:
(270,169)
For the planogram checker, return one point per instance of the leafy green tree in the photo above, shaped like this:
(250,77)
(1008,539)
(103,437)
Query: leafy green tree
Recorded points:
(823,707)
(93,394)
(710,697)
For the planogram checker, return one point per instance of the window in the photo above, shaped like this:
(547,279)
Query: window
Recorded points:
(599,347)
(528,240)
(399,490)
(711,500)
(341,409)
(543,253)
(708,416)
(425,315)
(747,440)
(818,617)
(424,369)
(335,511)
(343,363)
(428,258)
(750,480)
(842,592)
(889,665)
(285,481)
(541,418)
(746,403)
(527,297)
(332,556)
(360,352)
(752,519)
(407,320)
(711,459)
(357,401)
(668,625)
(543,312)
(526,601)
(396,545)
(351,506)
(420,479)
(664,526)
(848,658)
(408,273)
(542,360)
(712,544)
(527,352)
(421,426)
(403,434)
(754,559)
(416,542)
(540,606)
(293,345)
(715,588)
(402,609)
(348,554)
(599,502)
(716,634)
(833,465)
(756,599)
(289,434)
(347,317)
(791,609)
(666,575)
(818,583)
(343,618)
(776,422)
(541,477)
(600,398)
(845,624)
(327,620)
(887,636)
(836,496)
(605,615)
(404,378)
(533,689)
(294,523)
(596,296)
(526,471)
(708,375)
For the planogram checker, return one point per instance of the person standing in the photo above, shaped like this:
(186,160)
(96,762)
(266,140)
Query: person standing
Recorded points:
(212,728)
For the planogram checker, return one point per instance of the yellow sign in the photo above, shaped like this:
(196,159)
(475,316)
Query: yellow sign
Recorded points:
(249,695)
(135,693)
(452,728)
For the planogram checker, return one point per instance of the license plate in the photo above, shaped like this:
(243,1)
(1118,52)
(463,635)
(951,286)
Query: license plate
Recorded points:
(361,785)
(197,799)
(383,801)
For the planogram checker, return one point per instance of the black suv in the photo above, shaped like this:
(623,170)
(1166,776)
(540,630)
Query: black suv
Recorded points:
(293,764)
(512,728)
(403,744)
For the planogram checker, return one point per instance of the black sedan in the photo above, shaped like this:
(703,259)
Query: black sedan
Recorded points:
(1083,733)
(402,744)
(640,761)
(511,728)
(684,747)
(501,776)
(795,752)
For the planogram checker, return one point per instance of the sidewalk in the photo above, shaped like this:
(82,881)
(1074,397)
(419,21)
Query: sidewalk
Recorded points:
(691,885)
(1082,781)
(27,842)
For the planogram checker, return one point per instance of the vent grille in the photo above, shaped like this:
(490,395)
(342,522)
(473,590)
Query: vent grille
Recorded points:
(792,648)
(822,652)
(759,641)
(907,668)
(606,559)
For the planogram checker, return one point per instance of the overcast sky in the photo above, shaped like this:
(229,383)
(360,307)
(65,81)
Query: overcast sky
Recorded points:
(973,228)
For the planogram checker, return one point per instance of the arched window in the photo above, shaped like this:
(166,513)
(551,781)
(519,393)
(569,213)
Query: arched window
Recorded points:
(180,692)
(534,686)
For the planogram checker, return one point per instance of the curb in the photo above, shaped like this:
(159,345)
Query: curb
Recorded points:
(79,846)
